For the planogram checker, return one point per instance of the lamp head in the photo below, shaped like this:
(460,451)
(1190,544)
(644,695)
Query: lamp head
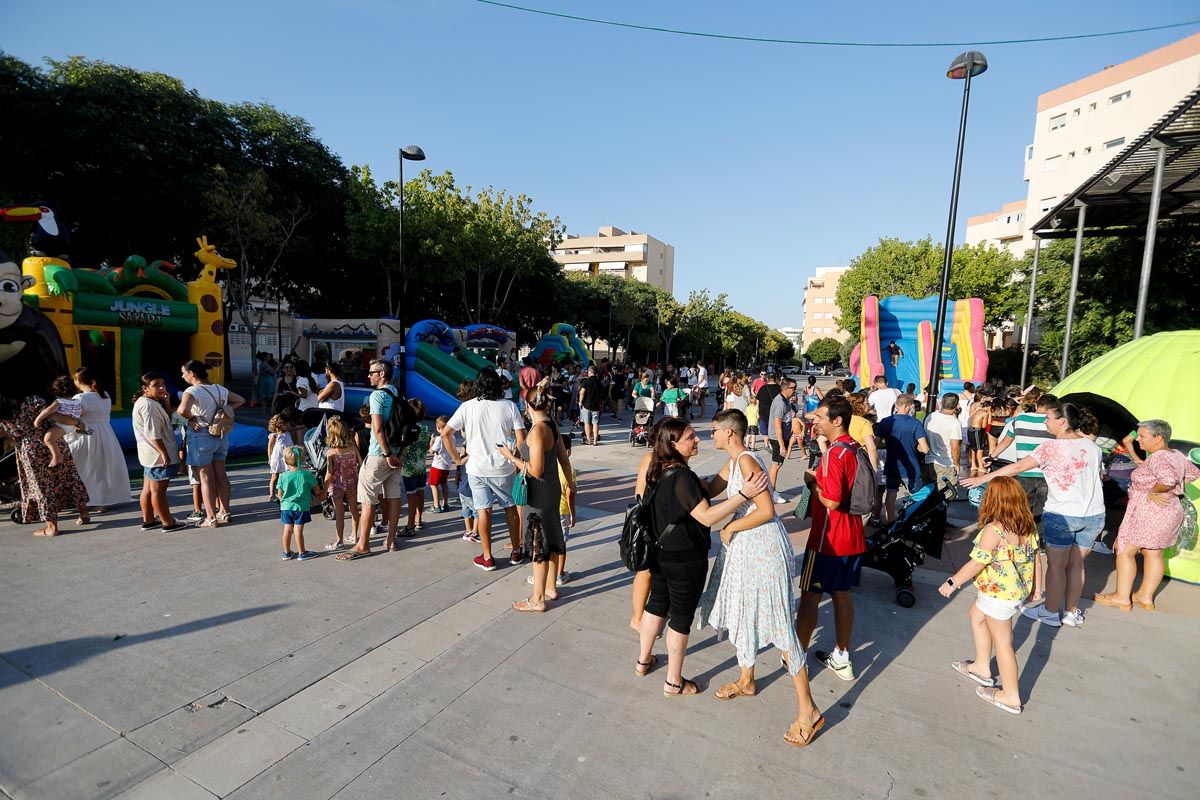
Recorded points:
(412,153)
(972,63)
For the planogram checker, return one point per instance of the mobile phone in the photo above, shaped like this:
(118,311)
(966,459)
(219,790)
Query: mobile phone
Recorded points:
(499,446)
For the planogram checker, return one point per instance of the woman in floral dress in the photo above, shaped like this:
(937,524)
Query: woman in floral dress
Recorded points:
(45,490)
(1153,516)
(749,593)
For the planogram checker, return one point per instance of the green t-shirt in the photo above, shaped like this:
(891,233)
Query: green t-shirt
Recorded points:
(414,457)
(672,396)
(295,489)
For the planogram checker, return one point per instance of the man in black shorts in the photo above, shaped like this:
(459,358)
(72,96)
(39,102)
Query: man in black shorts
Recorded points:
(779,427)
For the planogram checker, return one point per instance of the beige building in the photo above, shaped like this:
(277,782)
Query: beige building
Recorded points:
(820,307)
(1079,127)
(615,252)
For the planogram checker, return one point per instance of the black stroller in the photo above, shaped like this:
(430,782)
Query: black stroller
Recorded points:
(900,547)
(315,445)
(10,486)
(643,421)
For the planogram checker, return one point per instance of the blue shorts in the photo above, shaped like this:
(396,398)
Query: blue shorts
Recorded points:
(829,574)
(161,473)
(1059,530)
(203,448)
(289,517)
(416,483)
(589,417)
(465,501)
(488,491)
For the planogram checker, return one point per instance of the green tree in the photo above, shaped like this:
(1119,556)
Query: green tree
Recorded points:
(824,352)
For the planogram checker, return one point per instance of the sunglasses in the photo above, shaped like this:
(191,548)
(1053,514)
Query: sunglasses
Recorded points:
(374,372)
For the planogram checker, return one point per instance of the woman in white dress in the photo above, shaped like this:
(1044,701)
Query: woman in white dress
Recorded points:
(99,458)
(749,592)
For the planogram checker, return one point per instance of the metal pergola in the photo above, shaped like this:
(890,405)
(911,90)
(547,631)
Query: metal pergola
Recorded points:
(1157,175)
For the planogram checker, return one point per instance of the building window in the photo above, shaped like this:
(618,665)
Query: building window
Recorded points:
(1114,143)
(1091,106)
(828,330)
(1087,151)
(1118,98)
(1047,203)
(1029,152)
(1052,163)
(1075,113)
(1058,121)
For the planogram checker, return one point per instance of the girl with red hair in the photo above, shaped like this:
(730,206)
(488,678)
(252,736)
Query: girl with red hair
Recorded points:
(1001,565)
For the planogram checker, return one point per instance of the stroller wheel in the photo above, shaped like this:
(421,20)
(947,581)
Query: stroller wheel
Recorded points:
(906,597)
(16,515)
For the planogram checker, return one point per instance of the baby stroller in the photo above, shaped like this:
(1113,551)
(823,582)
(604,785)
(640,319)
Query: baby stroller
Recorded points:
(900,548)
(10,487)
(643,421)
(315,445)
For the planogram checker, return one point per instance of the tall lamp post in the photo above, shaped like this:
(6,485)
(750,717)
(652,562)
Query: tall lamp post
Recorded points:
(411,153)
(964,67)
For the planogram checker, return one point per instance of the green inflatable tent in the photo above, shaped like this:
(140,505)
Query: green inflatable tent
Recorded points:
(1154,377)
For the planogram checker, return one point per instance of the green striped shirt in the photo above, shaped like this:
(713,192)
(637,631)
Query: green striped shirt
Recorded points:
(1029,430)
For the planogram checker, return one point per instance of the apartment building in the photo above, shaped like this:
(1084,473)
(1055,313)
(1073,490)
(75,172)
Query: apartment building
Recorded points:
(1080,126)
(614,252)
(820,307)
(795,336)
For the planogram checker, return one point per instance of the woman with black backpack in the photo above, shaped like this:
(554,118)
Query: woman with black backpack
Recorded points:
(682,517)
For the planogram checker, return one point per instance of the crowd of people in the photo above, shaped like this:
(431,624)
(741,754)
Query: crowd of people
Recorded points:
(1035,466)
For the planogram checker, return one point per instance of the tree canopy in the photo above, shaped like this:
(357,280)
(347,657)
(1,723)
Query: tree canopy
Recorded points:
(824,352)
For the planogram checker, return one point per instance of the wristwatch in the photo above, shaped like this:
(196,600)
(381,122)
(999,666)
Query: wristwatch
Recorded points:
(951,582)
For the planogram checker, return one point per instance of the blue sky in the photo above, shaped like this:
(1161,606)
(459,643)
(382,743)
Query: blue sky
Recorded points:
(758,162)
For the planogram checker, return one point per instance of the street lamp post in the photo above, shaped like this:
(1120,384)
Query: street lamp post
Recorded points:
(411,153)
(964,67)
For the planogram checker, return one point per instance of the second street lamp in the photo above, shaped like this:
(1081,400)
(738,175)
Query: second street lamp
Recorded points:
(411,153)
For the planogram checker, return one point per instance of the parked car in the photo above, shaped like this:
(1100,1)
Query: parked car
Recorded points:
(841,372)
(814,371)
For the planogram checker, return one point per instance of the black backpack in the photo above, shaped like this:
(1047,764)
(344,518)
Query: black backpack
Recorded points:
(401,426)
(639,540)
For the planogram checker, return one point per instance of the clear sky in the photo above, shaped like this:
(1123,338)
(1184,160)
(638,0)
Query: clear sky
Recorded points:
(758,162)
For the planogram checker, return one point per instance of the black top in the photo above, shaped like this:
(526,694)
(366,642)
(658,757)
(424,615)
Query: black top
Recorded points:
(766,396)
(592,397)
(678,492)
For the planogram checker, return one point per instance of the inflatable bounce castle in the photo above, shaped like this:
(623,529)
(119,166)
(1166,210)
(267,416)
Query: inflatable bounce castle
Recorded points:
(908,324)
(562,343)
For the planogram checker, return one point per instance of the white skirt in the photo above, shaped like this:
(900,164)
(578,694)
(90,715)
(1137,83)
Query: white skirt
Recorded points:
(101,465)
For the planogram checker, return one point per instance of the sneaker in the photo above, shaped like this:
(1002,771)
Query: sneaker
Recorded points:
(306,555)
(1073,619)
(149,526)
(563,577)
(177,526)
(517,558)
(194,517)
(778,498)
(485,564)
(1100,547)
(470,536)
(843,669)
(287,556)
(1040,614)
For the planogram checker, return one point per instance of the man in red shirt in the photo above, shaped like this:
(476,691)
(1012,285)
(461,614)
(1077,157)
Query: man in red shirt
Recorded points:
(833,561)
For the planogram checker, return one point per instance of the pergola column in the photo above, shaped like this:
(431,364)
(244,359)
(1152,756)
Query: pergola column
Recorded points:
(1037,251)
(1062,372)
(1151,231)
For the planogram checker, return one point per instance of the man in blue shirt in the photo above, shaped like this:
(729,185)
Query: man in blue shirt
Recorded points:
(904,438)
(379,480)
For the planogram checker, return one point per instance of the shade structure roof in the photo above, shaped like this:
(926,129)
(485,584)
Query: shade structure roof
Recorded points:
(1154,377)
(1118,196)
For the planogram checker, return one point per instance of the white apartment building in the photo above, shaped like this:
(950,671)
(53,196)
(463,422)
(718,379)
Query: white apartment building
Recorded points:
(614,252)
(1080,126)
(796,337)
(820,307)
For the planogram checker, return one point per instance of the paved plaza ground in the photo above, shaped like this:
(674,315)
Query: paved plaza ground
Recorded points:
(200,665)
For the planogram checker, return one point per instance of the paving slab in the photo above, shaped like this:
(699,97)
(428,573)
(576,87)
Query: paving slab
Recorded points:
(185,730)
(317,708)
(378,670)
(231,760)
(167,784)
(102,773)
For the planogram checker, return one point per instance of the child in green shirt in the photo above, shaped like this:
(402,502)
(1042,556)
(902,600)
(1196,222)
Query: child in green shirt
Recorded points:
(296,489)
(671,398)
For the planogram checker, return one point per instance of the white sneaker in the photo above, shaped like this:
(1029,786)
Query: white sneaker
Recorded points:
(1100,547)
(1073,619)
(843,669)
(777,498)
(1040,614)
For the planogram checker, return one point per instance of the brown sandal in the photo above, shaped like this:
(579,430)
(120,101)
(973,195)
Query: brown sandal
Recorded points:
(803,739)
(732,690)
(1140,604)
(644,668)
(681,688)
(1110,600)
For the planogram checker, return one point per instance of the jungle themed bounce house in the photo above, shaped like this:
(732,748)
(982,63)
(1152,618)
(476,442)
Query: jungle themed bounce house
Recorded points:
(908,324)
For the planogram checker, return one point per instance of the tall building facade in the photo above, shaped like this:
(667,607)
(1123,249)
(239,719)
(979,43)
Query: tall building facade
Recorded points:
(820,307)
(1079,127)
(614,252)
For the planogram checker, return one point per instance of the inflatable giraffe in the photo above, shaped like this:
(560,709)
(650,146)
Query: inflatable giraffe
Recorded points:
(208,345)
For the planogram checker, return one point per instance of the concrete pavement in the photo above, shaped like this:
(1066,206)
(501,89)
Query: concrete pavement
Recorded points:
(199,665)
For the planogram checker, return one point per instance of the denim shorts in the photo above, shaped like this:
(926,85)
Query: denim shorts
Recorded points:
(487,491)
(416,483)
(203,448)
(1059,530)
(289,517)
(589,417)
(161,473)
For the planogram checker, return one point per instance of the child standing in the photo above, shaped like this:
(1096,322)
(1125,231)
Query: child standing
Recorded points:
(412,471)
(279,439)
(751,422)
(977,428)
(439,471)
(671,398)
(342,462)
(1001,565)
(66,411)
(297,488)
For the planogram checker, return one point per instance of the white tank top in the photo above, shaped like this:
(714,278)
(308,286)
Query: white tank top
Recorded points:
(340,403)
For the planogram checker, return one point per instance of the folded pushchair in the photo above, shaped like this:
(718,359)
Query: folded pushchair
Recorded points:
(643,421)
(315,445)
(10,486)
(900,547)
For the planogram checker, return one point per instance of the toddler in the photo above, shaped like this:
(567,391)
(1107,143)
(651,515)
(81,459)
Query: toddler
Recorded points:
(297,489)
(65,411)
(439,472)
(279,439)
(1001,564)
(342,462)
(751,422)
(412,472)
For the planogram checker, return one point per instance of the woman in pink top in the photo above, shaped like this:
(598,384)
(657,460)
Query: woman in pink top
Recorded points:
(1153,516)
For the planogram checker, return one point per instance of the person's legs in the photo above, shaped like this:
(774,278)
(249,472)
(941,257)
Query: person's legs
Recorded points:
(221,484)
(339,516)
(843,619)
(298,530)
(641,593)
(208,491)
(1126,573)
(513,520)
(983,642)
(676,650)
(366,521)
(145,502)
(1000,632)
(806,617)
(1074,575)
(287,538)
(807,713)
(889,505)
(1152,575)
(392,507)
(158,500)
(483,526)
(1056,577)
